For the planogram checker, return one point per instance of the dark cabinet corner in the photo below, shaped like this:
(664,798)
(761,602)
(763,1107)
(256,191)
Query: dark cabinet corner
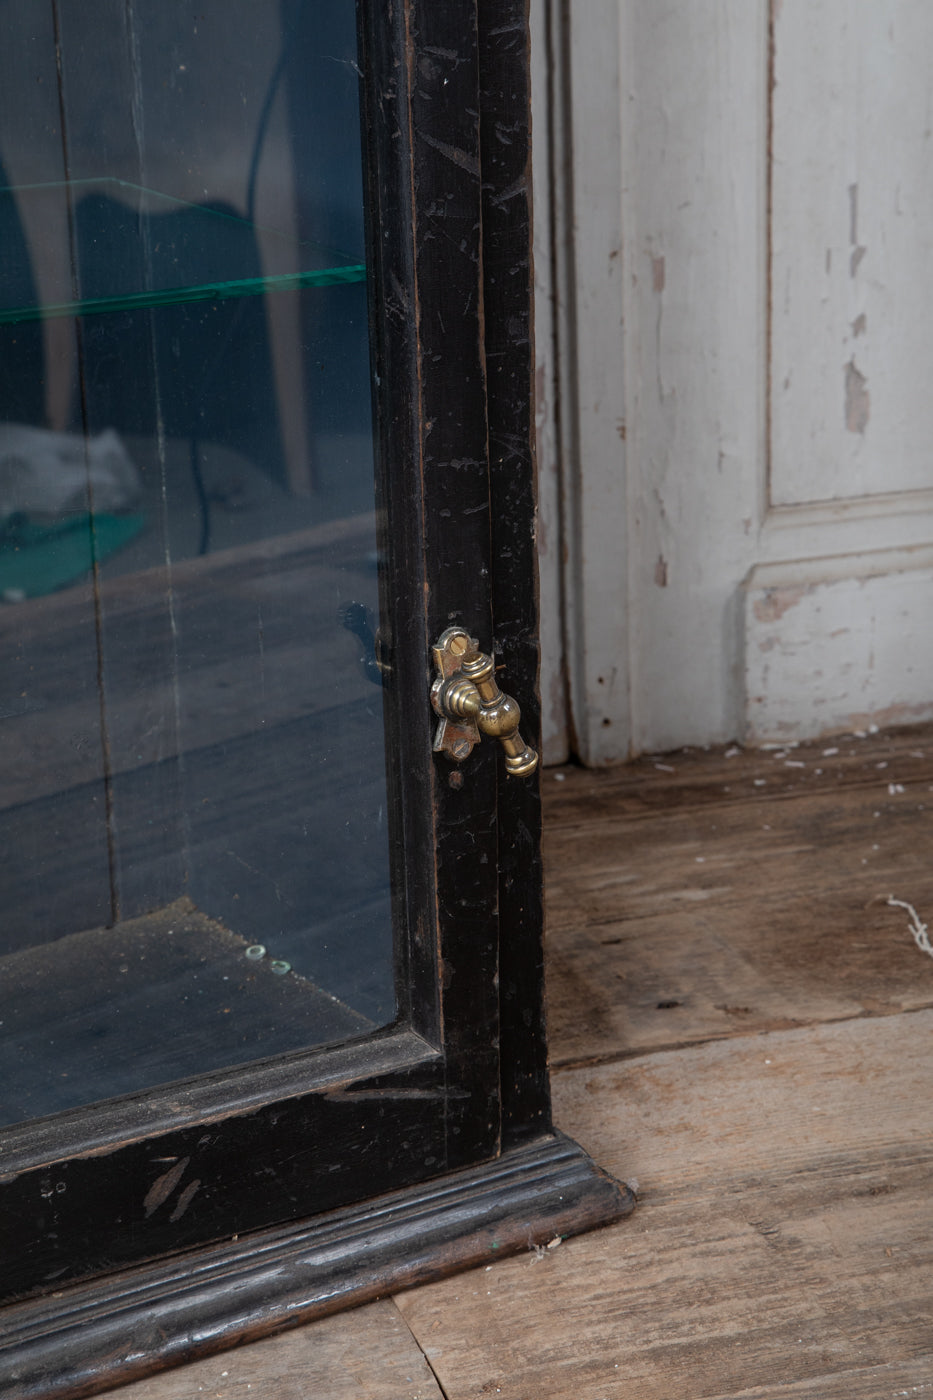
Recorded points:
(271,971)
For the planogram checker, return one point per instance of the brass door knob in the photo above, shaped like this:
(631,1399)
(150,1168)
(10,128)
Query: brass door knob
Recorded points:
(470,704)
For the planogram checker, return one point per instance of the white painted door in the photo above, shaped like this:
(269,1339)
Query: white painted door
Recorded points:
(742,257)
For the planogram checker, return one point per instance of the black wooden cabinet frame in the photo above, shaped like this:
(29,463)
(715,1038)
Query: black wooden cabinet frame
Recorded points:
(340,1174)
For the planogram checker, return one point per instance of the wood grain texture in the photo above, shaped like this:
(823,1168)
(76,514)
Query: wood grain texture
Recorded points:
(782,1248)
(545,122)
(368,1354)
(701,895)
(782,1244)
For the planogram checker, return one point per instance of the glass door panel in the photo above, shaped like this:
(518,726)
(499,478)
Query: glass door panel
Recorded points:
(193,812)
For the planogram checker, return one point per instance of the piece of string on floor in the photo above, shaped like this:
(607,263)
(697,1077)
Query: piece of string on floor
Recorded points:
(917,927)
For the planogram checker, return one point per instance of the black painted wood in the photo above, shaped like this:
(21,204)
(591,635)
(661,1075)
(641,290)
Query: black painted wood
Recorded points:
(259,1152)
(509,346)
(400,504)
(453,464)
(422,113)
(236,1292)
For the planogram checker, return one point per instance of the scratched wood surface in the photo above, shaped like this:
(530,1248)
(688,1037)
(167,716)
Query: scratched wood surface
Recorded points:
(703,895)
(782,1238)
(783,1148)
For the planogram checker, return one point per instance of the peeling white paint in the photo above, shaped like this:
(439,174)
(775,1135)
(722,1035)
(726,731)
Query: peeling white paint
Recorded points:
(857,400)
(765,413)
(850,654)
(852,249)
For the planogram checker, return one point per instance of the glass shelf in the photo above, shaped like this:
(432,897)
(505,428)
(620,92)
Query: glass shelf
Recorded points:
(176,296)
(160,236)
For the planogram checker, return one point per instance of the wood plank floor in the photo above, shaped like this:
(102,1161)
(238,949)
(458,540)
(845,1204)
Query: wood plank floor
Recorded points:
(743,1026)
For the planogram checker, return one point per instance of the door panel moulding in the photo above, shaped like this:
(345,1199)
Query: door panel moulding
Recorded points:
(869,525)
(835,645)
(851,215)
(905,504)
(672,217)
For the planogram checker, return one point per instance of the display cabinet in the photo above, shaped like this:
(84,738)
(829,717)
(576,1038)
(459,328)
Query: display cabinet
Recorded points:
(271,1006)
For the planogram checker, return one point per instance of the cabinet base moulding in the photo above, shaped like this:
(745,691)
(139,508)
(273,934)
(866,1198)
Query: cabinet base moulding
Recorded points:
(110,1331)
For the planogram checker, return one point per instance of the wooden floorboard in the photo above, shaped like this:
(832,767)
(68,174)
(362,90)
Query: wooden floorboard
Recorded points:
(742,1027)
(782,1237)
(700,896)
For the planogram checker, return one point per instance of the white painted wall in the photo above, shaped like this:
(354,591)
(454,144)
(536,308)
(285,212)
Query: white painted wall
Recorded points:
(738,368)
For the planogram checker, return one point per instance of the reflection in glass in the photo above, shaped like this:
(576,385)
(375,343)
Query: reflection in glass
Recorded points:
(192,788)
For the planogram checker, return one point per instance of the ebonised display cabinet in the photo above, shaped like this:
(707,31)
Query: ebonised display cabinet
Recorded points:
(271,979)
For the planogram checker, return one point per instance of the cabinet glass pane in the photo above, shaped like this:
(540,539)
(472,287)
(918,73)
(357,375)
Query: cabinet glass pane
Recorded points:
(194,867)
